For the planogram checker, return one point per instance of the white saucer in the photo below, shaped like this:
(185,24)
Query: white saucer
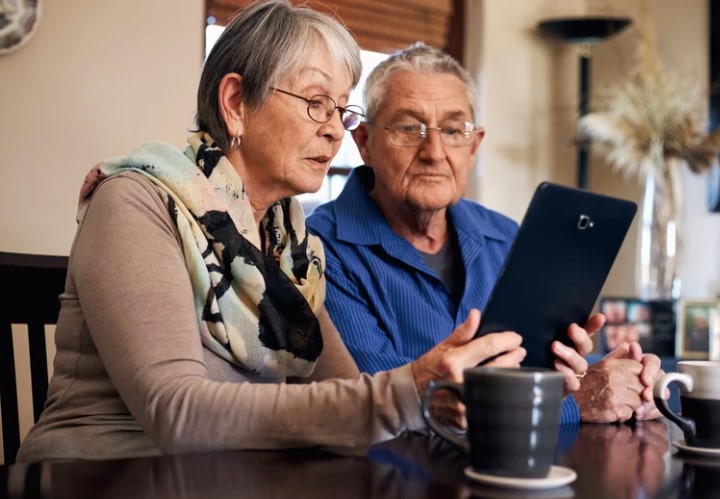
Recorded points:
(557,477)
(698,451)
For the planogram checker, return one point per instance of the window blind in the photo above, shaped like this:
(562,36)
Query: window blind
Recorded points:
(378,25)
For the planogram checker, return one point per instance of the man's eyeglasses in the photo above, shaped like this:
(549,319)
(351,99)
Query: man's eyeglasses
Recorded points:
(322,107)
(452,134)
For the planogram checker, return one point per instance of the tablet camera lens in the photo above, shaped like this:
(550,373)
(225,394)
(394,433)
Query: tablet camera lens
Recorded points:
(584,222)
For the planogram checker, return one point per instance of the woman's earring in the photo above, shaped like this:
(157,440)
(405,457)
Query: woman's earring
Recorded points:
(235,142)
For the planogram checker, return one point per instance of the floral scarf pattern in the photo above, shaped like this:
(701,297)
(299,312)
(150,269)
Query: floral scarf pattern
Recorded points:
(257,290)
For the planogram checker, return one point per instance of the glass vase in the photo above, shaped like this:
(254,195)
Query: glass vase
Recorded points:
(661,233)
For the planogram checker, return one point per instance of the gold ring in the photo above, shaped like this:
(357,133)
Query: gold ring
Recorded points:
(580,376)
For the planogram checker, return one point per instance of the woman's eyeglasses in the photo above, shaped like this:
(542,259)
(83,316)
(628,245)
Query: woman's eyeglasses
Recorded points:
(322,107)
(452,134)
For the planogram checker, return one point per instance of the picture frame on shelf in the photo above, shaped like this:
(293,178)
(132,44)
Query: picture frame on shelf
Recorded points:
(698,329)
(713,177)
(715,347)
(649,322)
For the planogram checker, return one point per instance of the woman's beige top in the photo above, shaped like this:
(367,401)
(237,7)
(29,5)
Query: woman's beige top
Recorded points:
(131,376)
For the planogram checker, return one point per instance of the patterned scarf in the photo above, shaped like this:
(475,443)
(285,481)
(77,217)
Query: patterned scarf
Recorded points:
(257,290)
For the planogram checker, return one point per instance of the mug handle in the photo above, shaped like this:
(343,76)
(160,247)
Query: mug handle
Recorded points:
(687,425)
(441,430)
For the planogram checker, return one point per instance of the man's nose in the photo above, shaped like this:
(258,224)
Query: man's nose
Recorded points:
(432,147)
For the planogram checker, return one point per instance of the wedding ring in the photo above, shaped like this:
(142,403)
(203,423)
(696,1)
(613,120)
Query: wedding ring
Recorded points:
(580,376)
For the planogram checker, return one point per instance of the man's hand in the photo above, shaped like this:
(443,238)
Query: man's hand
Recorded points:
(448,360)
(612,390)
(650,373)
(571,361)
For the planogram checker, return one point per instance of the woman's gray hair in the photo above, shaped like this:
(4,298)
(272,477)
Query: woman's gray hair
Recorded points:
(265,43)
(419,58)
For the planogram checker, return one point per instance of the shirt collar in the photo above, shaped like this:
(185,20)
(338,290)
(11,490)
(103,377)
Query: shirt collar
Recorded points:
(359,219)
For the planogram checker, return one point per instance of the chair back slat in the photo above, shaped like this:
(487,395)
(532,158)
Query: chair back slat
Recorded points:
(38,366)
(32,285)
(8,394)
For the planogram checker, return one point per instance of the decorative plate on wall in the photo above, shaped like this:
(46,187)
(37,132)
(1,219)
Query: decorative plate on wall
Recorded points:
(19,20)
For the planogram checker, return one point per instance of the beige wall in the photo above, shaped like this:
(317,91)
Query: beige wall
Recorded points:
(529,93)
(97,79)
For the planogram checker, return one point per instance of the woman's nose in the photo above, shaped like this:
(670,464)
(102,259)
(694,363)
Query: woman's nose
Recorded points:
(334,128)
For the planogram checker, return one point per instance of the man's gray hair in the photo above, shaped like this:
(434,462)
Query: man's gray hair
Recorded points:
(266,43)
(419,58)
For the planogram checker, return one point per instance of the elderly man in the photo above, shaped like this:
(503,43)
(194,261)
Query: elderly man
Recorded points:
(409,259)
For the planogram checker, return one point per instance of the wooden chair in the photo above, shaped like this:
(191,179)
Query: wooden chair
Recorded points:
(31,285)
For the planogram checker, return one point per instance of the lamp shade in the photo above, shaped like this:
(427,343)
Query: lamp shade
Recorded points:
(583,29)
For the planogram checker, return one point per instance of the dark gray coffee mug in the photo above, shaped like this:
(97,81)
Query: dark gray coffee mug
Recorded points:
(513,419)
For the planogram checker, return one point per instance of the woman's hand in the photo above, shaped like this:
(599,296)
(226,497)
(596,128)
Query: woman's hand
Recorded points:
(459,351)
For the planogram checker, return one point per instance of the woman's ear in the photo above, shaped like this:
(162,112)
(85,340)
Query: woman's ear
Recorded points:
(231,104)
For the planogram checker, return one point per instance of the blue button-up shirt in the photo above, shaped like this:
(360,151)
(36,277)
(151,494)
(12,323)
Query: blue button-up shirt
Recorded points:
(388,305)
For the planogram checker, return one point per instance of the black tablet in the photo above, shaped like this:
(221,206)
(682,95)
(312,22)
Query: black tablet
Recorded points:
(556,267)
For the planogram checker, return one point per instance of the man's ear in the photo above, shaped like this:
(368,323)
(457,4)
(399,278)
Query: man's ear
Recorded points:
(478,140)
(361,137)
(231,104)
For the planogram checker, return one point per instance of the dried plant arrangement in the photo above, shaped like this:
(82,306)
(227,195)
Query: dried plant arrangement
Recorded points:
(649,126)
(652,117)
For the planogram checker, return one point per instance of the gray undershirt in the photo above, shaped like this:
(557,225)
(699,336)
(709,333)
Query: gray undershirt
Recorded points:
(448,266)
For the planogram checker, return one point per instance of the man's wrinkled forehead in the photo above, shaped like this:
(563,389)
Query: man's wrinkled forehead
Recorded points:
(422,96)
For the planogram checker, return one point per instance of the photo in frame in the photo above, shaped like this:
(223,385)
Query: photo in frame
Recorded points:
(649,322)
(714,107)
(714,188)
(698,328)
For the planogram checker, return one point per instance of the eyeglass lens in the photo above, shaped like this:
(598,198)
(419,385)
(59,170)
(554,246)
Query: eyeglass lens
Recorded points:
(452,134)
(321,109)
(351,117)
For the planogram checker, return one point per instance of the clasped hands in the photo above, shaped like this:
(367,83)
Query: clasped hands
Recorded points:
(614,389)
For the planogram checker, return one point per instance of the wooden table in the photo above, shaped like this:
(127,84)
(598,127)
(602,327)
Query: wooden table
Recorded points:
(612,461)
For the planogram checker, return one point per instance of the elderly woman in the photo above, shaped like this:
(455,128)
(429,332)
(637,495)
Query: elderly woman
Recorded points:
(192,318)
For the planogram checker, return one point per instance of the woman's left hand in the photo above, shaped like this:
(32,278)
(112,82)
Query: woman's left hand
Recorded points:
(449,358)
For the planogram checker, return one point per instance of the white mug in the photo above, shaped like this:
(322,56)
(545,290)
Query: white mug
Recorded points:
(699,382)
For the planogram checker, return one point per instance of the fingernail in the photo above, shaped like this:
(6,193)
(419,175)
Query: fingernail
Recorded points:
(640,410)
